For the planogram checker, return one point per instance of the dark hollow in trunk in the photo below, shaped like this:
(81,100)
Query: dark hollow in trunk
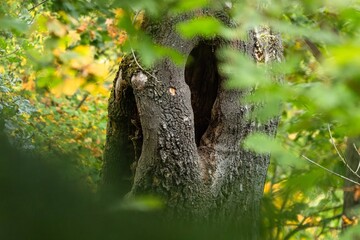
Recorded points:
(202,76)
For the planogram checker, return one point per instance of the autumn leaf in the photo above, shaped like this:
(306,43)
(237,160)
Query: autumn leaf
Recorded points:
(29,82)
(82,56)
(349,221)
(74,37)
(119,13)
(68,86)
(56,27)
(97,69)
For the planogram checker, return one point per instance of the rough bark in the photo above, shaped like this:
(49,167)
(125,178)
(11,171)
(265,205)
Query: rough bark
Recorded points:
(351,190)
(191,127)
(124,138)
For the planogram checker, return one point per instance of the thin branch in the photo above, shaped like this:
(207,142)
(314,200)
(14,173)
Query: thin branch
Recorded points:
(10,53)
(273,177)
(333,143)
(339,175)
(338,152)
(37,5)
(314,49)
(330,208)
(356,149)
(82,101)
(138,64)
(133,53)
(310,225)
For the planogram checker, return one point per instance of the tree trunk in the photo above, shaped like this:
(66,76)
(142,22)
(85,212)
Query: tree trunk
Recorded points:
(351,190)
(186,131)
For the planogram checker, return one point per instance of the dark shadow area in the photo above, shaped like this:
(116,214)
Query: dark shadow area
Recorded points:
(202,76)
(124,141)
(44,199)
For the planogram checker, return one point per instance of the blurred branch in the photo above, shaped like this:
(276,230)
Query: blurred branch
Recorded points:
(82,101)
(311,225)
(338,152)
(356,149)
(313,48)
(283,205)
(330,208)
(37,5)
(339,175)
(10,53)
(133,53)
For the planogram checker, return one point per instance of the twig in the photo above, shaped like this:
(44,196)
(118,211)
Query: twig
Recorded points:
(11,53)
(314,49)
(82,101)
(338,152)
(138,64)
(302,226)
(339,175)
(35,6)
(133,53)
(356,149)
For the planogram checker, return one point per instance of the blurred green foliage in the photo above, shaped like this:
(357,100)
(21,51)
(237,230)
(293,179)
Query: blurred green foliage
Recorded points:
(57,60)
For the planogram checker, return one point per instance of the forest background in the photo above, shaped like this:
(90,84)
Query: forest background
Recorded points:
(58,60)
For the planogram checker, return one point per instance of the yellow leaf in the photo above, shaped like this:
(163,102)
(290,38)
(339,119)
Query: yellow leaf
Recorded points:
(85,56)
(85,50)
(298,45)
(97,69)
(40,24)
(29,84)
(300,217)
(96,89)
(103,91)
(139,19)
(74,37)
(58,51)
(119,13)
(90,87)
(68,87)
(84,108)
(349,221)
(56,27)
(292,136)
(298,196)
(267,187)
(23,61)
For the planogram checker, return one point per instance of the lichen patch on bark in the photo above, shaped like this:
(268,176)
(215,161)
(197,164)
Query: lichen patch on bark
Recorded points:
(139,80)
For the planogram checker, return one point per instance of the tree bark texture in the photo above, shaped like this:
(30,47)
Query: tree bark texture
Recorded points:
(181,131)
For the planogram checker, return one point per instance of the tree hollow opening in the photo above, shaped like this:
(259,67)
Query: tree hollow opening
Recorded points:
(202,76)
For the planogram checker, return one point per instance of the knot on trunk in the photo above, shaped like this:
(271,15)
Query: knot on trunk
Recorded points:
(139,80)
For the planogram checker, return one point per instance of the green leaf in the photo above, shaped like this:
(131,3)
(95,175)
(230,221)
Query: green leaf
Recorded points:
(173,54)
(241,71)
(264,144)
(202,26)
(186,5)
(141,203)
(7,23)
